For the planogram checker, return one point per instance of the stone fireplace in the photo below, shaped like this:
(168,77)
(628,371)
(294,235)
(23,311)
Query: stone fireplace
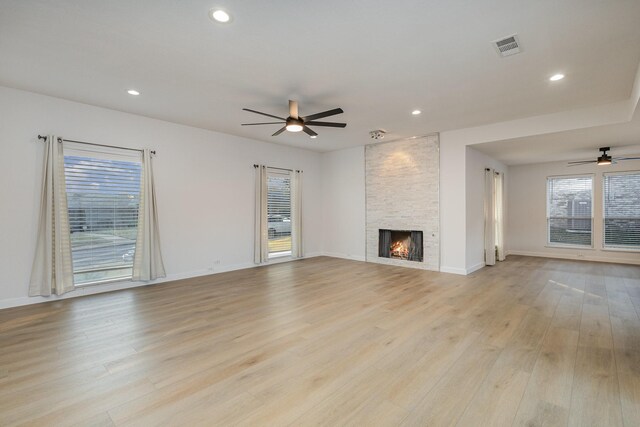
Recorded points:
(402,203)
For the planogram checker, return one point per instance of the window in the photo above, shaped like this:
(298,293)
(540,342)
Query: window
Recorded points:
(103,196)
(279,212)
(622,210)
(569,210)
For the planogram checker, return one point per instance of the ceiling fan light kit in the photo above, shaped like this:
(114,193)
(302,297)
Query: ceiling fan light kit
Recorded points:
(296,123)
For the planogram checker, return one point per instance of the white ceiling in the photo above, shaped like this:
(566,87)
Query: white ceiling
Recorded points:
(376,59)
(580,144)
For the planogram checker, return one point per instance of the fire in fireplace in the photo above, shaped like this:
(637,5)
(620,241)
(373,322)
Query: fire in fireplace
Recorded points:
(400,244)
(400,249)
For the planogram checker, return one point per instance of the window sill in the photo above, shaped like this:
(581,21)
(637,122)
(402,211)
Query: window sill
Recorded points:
(613,249)
(104,282)
(286,257)
(277,255)
(582,248)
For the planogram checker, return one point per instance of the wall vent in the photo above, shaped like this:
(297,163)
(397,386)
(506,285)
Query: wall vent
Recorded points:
(507,46)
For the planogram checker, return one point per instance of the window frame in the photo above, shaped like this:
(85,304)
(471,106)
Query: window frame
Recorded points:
(548,218)
(74,149)
(284,173)
(614,248)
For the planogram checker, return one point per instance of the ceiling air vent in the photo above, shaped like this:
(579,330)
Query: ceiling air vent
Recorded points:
(508,46)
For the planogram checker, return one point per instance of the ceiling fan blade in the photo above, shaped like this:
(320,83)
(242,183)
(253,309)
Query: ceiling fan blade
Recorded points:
(580,163)
(323,114)
(264,123)
(279,131)
(626,158)
(265,114)
(583,162)
(326,124)
(309,131)
(293,109)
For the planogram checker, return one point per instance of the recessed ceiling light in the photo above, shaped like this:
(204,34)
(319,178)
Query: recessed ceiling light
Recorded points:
(219,15)
(416,112)
(314,136)
(556,77)
(133,92)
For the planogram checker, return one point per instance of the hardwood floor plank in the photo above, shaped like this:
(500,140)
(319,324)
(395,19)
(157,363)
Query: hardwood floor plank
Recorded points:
(521,352)
(496,401)
(418,367)
(628,365)
(547,399)
(445,403)
(595,326)
(355,403)
(596,398)
(505,324)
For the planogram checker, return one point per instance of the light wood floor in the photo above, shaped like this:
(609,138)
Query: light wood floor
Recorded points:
(334,342)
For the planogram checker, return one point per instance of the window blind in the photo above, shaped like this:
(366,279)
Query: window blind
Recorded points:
(279,212)
(622,210)
(569,210)
(103,195)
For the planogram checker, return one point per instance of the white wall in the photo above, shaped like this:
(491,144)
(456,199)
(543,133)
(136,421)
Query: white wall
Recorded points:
(475,167)
(526,216)
(343,195)
(205,183)
(452,204)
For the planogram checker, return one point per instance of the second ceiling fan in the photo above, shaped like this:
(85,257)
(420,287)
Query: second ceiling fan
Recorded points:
(296,123)
(603,159)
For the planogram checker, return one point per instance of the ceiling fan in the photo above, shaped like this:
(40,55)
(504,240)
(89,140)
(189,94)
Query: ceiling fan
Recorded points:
(603,159)
(296,123)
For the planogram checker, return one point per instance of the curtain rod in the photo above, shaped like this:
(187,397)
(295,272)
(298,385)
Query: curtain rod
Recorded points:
(97,145)
(281,169)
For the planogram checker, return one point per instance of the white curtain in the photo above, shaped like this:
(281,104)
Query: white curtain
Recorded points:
(261,248)
(499,208)
(52,271)
(489,217)
(147,261)
(296,214)
(493,216)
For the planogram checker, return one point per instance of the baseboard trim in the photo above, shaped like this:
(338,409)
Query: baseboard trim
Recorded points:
(575,258)
(313,254)
(117,286)
(344,256)
(453,270)
(475,267)
(109,287)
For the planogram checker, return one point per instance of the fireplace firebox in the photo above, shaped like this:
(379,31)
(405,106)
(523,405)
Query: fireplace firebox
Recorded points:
(400,244)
